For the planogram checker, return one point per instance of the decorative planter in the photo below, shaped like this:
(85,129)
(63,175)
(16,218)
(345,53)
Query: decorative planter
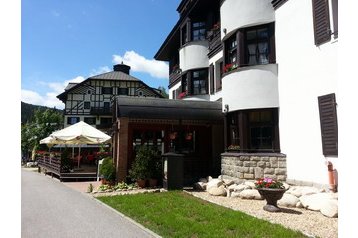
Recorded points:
(141,183)
(153,182)
(271,195)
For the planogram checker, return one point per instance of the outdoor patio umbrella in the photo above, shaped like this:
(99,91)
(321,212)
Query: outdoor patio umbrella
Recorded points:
(77,134)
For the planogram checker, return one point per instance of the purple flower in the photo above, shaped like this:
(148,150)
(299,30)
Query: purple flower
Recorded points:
(268,180)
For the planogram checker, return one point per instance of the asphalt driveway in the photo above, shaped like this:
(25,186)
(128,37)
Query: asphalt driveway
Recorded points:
(52,210)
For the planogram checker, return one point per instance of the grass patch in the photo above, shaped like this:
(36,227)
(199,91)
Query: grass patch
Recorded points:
(178,214)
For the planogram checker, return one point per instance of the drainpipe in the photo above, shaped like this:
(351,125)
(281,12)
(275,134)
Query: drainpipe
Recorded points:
(331,180)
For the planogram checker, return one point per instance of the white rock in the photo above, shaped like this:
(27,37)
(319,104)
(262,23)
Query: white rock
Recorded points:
(299,191)
(209,178)
(329,208)
(200,186)
(228,182)
(250,183)
(221,177)
(315,201)
(299,205)
(286,185)
(288,200)
(232,187)
(217,191)
(235,194)
(203,180)
(241,187)
(250,194)
(214,183)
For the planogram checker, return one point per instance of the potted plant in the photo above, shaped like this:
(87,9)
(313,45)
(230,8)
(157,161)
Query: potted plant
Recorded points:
(271,191)
(155,170)
(140,166)
(108,171)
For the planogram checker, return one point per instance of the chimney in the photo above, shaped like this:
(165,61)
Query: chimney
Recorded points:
(121,68)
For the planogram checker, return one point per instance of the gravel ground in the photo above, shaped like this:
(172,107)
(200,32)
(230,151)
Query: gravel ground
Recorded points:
(311,223)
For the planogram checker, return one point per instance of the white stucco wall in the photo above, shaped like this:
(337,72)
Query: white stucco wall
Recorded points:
(194,55)
(244,13)
(251,87)
(305,72)
(175,87)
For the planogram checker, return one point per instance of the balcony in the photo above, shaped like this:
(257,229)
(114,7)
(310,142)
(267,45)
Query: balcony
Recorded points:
(101,111)
(174,77)
(214,38)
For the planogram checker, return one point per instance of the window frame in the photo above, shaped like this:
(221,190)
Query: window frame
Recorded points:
(243,127)
(240,50)
(200,79)
(87,105)
(107,90)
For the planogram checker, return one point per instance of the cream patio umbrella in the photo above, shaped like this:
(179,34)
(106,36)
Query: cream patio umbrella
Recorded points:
(77,134)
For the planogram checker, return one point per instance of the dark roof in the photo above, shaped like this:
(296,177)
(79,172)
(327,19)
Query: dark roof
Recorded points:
(115,75)
(159,108)
(70,85)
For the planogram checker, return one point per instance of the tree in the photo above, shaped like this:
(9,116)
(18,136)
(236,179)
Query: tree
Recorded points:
(43,124)
(163,91)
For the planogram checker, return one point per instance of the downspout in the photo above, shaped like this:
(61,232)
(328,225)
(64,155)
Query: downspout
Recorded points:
(331,179)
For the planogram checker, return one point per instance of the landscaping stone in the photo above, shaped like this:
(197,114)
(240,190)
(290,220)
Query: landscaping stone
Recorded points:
(241,187)
(315,201)
(288,200)
(228,182)
(235,194)
(299,191)
(329,208)
(200,186)
(250,194)
(217,191)
(250,184)
(232,187)
(214,183)
(204,180)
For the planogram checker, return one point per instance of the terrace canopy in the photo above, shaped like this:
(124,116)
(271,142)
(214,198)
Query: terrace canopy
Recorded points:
(77,134)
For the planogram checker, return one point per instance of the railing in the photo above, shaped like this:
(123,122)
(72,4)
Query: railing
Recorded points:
(51,164)
(214,39)
(101,111)
(174,77)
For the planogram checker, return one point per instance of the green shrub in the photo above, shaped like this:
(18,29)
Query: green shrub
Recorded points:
(145,164)
(107,169)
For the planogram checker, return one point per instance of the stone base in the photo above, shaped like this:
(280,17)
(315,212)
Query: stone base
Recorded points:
(271,208)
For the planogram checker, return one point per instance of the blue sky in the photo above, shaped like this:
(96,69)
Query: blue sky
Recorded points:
(71,40)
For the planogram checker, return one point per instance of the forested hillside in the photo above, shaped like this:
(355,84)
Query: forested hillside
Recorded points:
(27,111)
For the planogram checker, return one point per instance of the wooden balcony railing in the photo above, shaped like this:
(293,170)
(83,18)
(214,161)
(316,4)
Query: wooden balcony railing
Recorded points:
(101,111)
(215,44)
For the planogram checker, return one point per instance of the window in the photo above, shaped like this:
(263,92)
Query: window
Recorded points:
(90,120)
(140,93)
(261,132)
(87,105)
(105,120)
(321,25)
(231,50)
(198,31)
(106,105)
(72,120)
(254,130)
(89,91)
(184,35)
(122,91)
(257,46)
(107,90)
(250,46)
(199,82)
(329,126)
(184,83)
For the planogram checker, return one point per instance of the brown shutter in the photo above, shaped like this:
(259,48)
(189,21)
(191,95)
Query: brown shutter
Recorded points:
(329,126)
(272,49)
(240,39)
(321,26)
(211,77)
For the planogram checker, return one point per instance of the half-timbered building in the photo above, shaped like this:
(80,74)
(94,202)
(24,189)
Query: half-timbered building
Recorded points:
(91,100)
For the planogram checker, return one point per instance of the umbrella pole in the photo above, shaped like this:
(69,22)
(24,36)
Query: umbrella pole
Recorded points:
(79,155)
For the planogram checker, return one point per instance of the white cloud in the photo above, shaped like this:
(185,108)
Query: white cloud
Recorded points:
(100,70)
(138,63)
(49,99)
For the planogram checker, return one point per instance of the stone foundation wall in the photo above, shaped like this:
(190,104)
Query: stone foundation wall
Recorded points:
(244,166)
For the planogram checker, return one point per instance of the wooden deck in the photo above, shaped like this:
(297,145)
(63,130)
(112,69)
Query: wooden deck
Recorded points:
(52,166)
